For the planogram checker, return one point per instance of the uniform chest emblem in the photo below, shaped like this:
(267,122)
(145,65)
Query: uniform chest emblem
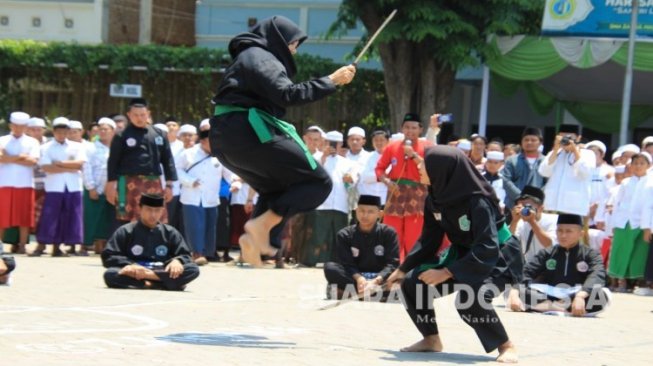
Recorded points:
(582,266)
(161,250)
(464,223)
(551,264)
(158,140)
(438,216)
(379,250)
(137,249)
(131,142)
(393,161)
(355,252)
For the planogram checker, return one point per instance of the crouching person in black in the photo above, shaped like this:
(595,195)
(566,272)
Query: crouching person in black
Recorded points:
(567,278)
(148,254)
(482,258)
(365,253)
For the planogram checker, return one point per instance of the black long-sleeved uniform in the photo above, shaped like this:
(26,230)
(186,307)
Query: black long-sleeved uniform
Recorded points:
(358,252)
(136,243)
(140,151)
(580,265)
(260,77)
(471,226)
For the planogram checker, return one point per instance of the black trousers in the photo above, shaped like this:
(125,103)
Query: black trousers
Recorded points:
(278,170)
(418,300)
(335,274)
(115,280)
(174,214)
(597,301)
(223,226)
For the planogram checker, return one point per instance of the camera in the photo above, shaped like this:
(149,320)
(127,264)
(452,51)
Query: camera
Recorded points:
(526,210)
(566,140)
(333,144)
(445,118)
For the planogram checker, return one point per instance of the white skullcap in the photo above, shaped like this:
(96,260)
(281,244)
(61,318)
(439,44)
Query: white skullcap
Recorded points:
(356,131)
(61,122)
(598,144)
(464,145)
(75,125)
(397,137)
(630,148)
(647,140)
(495,155)
(161,127)
(334,136)
(36,122)
(19,118)
(107,121)
(187,128)
(205,122)
(620,169)
(318,129)
(617,154)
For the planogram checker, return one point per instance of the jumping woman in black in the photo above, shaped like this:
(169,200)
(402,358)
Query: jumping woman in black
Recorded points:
(249,138)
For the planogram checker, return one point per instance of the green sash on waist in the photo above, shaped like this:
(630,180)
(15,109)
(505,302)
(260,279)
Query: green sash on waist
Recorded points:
(122,195)
(451,254)
(258,120)
(407,182)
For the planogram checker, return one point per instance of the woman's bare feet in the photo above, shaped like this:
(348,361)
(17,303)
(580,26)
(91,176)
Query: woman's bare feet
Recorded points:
(256,239)
(508,353)
(431,343)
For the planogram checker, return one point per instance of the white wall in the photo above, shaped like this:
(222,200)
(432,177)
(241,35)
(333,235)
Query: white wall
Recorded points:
(86,18)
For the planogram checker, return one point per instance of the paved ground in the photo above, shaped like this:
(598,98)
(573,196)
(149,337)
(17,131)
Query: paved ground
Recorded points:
(58,312)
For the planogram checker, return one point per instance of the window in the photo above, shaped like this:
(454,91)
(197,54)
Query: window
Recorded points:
(4,20)
(36,22)
(69,23)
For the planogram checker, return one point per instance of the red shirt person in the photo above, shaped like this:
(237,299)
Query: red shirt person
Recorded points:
(404,209)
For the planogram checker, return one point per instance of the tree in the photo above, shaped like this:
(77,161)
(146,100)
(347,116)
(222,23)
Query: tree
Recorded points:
(429,40)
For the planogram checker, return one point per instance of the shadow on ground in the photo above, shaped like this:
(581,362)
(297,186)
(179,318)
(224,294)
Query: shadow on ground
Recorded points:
(440,357)
(226,340)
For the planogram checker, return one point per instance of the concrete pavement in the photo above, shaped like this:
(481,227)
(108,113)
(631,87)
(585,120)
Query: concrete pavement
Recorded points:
(58,312)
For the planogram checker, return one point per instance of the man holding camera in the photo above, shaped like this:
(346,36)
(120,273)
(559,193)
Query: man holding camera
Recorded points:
(569,169)
(534,229)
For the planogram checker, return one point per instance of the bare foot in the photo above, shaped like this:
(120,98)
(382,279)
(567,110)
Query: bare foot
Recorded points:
(249,252)
(259,230)
(508,353)
(428,344)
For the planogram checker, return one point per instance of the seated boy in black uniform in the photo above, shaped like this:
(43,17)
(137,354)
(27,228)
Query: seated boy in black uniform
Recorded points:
(365,253)
(147,253)
(568,278)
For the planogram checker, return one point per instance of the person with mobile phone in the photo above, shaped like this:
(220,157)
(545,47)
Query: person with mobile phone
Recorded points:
(405,203)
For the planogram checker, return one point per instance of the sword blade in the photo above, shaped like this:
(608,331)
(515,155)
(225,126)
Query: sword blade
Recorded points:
(376,34)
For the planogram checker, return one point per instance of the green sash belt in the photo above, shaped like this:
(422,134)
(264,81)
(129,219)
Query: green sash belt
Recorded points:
(451,253)
(122,195)
(259,120)
(407,182)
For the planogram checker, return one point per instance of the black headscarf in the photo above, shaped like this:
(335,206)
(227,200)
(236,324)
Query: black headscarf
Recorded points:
(454,178)
(273,34)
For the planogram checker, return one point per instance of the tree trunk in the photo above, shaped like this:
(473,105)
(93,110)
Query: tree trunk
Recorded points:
(414,81)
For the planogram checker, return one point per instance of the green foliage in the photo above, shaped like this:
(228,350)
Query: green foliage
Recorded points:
(118,59)
(453,31)
(42,62)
